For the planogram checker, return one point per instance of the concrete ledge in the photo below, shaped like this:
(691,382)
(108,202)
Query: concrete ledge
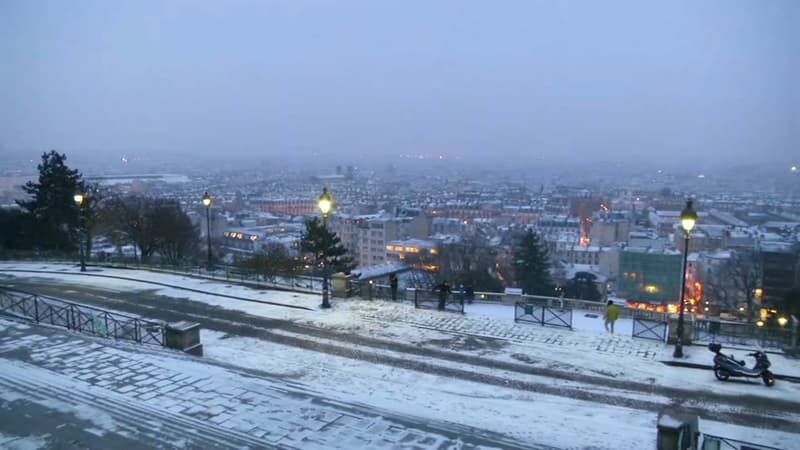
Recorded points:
(184,336)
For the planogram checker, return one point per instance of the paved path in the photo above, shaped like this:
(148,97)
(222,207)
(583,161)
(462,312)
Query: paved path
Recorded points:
(617,344)
(519,332)
(163,399)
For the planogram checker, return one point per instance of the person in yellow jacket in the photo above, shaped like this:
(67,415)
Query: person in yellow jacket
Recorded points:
(612,314)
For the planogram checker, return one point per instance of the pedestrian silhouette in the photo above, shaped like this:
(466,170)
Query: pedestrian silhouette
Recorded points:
(443,290)
(393,286)
(469,292)
(612,314)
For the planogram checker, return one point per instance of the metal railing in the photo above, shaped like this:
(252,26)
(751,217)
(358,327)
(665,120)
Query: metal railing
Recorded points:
(427,299)
(741,333)
(302,282)
(81,318)
(299,281)
(650,329)
(369,290)
(649,322)
(711,442)
(543,314)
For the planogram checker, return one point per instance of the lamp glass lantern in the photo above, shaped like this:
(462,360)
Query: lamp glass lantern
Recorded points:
(325,202)
(688,217)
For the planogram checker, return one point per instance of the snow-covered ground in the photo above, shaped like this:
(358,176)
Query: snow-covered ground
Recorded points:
(540,417)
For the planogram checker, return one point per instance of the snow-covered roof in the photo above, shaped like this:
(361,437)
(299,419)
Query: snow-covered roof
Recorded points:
(380,270)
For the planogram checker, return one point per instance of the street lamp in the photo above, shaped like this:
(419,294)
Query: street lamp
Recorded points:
(207,203)
(688,219)
(325,205)
(80,198)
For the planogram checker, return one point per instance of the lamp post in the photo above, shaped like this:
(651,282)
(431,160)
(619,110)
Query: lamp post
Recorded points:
(325,205)
(688,219)
(207,203)
(80,199)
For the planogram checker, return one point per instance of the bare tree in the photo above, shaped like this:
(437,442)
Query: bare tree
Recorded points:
(746,271)
(176,236)
(470,262)
(127,223)
(718,285)
(272,261)
(152,225)
(93,198)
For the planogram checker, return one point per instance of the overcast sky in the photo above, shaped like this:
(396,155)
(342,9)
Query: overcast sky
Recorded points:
(628,80)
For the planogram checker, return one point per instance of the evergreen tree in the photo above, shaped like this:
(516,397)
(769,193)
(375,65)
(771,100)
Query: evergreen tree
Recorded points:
(52,205)
(531,265)
(326,247)
(16,230)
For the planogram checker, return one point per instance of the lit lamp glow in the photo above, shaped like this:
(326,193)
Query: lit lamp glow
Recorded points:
(325,203)
(688,217)
(782,321)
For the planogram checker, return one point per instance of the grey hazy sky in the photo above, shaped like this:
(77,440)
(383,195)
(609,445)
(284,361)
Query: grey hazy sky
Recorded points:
(713,80)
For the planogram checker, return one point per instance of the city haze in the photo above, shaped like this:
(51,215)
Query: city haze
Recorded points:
(711,83)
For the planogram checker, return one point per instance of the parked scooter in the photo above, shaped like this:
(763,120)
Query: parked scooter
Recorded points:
(728,366)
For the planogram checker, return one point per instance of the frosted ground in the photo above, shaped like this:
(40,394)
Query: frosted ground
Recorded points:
(560,421)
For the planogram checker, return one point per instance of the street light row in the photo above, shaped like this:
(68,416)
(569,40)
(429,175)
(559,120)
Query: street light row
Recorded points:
(325,206)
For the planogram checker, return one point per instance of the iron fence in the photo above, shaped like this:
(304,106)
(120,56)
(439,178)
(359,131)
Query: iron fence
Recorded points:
(596,306)
(426,299)
(301,281)
(711,442)
(543,314)
(741,333)
(81,318)
(650,329)
(369,290)
(306,281)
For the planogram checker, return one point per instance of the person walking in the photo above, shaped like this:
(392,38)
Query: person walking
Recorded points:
(393,286)
(470,292)
(612,314)
(443,289)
